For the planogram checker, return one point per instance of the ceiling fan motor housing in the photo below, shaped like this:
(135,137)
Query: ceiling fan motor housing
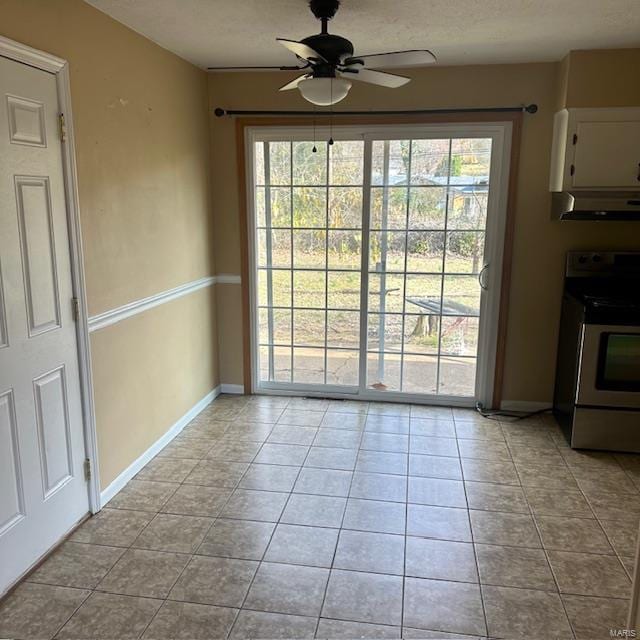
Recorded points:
(324,9)
(332,48)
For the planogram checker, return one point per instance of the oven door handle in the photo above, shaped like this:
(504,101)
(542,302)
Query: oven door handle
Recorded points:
(481,281)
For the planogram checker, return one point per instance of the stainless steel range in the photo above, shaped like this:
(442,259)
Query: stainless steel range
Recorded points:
(597,392)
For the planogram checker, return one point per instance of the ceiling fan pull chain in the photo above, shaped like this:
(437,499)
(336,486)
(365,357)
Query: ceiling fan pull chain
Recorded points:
(331,113)
(315,149)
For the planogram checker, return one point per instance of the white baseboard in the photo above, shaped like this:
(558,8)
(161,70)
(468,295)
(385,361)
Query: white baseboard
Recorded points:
(157,446)
(524,405)
(232,388)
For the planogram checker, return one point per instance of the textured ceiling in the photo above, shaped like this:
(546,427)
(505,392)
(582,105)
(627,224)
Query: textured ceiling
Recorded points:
(243,32)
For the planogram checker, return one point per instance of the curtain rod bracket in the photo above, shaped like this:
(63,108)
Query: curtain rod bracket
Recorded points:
(529,108)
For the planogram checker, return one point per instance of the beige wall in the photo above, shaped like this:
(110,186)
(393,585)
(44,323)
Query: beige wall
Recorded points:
(156,356)
(229,321)
(539,244)
(142,145)
(606,78)
(562,83)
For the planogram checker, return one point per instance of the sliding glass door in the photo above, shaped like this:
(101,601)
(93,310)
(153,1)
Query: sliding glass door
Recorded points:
(308,224)
(426,244)
(374,260)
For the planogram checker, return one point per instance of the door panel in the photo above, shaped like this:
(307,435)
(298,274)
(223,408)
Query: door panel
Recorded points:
(38,253)
(43,489)
(11,498)
(26,121)
(4,339)
(425,253)
(52,418)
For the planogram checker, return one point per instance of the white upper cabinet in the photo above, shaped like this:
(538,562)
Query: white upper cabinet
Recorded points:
(596,150)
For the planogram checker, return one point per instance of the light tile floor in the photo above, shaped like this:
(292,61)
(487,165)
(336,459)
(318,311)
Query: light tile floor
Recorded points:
(291,518)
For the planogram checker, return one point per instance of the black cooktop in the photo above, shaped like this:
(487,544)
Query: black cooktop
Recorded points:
(607,305)
(607,284)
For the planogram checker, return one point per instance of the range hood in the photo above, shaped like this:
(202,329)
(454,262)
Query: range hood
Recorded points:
(595,205)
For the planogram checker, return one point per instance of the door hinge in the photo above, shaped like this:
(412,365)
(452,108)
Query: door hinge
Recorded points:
(572,169)
(63,127)
(87,469)
(75,303)
(575,138)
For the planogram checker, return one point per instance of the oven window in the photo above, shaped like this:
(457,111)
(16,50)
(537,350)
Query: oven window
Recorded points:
(619,362)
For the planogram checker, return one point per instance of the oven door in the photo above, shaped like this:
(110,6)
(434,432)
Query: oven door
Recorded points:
(609,370)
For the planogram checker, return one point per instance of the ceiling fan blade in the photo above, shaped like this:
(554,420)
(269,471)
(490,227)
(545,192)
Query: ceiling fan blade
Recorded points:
(257,68)
(411,58)
(390,80)
(294,83)
(301,50)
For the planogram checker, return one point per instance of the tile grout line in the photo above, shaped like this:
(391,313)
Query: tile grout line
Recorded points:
(473,543)
(532,515)
(64,624)
(192,555)
(509,443)
(406,525)
(486,510)
(292,564)
(585,497)
(239,609)
(607,536)
(340,529)
(261,561)
(126,549)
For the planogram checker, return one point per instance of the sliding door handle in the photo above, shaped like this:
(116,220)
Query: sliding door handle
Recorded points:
(481,281)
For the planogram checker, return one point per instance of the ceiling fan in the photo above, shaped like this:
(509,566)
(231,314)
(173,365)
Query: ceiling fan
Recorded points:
(329,63)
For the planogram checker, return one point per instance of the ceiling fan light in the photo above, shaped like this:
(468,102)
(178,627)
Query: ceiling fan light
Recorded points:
(324,91)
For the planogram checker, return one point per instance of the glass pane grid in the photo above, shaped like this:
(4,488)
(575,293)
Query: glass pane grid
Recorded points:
(444,261)
(308,346)
(426,239)
(388,229)
(330,185)
(428,215)
(406,258)
(309,228)
(419,353)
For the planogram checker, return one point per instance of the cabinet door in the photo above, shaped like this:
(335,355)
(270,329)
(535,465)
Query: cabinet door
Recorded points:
(607,155)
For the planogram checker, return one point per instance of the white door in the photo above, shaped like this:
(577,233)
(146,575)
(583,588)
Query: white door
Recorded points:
(43,491)
(377,260)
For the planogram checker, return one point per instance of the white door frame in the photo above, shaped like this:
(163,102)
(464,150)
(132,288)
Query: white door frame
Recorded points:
(60,68)
(502,135)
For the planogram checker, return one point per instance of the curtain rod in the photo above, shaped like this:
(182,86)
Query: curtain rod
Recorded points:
(529,108)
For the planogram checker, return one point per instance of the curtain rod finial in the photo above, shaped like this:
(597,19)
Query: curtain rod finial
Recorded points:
(531,108)
(219,112)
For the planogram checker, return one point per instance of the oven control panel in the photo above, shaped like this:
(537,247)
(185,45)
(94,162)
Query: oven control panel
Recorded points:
(591,264)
